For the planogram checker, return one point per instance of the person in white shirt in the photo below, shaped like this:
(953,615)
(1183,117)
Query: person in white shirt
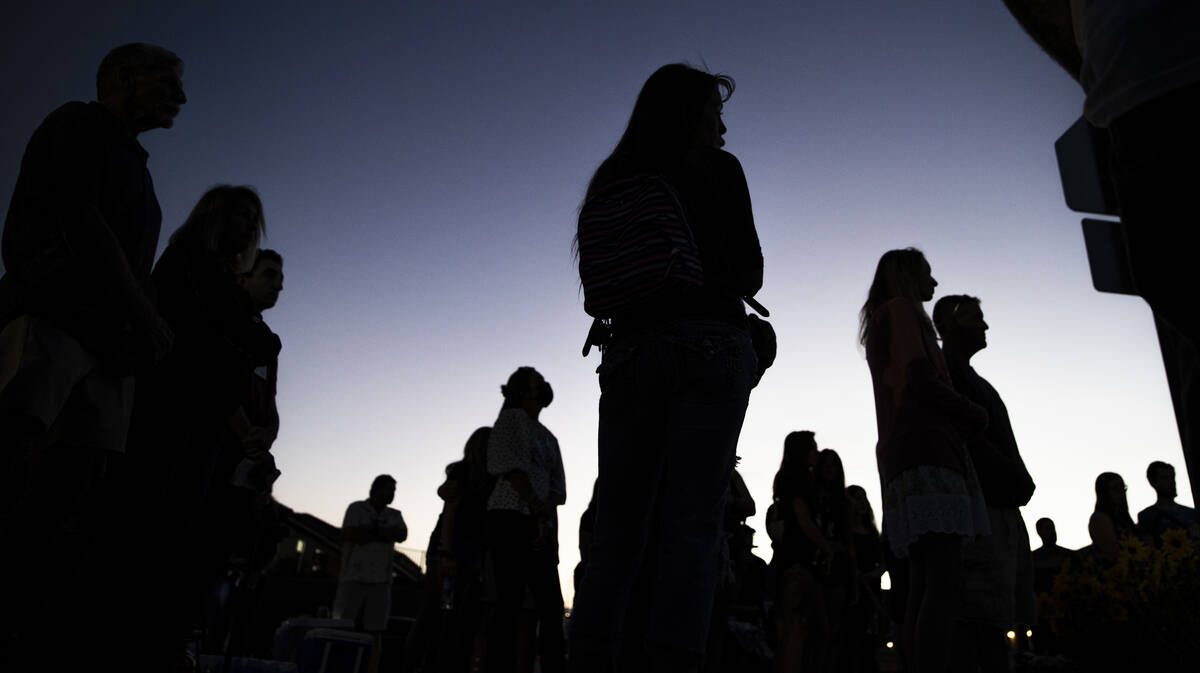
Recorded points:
(521,520)
(370,531)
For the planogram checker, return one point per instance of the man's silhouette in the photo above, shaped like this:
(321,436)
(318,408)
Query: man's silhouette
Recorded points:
(1047,559)
(263,284)
(1165,514)
(77,320)
(370,531)
(997,568)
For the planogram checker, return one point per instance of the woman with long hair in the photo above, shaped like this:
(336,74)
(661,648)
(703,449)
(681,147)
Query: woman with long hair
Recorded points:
(200,387)
(1110,521)
(837,579)
(860,639)
(799,548)
(193,404)
(815,558)
(447,631)
(675,379)
(931,496)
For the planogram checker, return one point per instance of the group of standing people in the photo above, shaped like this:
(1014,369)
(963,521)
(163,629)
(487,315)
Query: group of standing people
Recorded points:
(127,389)
(137,399)
(677,372)
(493,599)
(675,380)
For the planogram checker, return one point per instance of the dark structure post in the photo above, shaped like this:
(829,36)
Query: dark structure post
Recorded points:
(1083,166)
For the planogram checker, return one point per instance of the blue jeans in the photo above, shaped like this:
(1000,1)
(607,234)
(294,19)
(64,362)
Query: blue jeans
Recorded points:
(671,409)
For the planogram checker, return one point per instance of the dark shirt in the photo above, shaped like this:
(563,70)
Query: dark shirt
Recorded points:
(1047,563)
(712,189)
(1002,474)
(260,398)
(470,509)
(1154,521)
(219,340)
(83,186)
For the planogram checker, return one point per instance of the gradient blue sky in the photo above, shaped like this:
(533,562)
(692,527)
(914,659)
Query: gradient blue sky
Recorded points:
(421,166)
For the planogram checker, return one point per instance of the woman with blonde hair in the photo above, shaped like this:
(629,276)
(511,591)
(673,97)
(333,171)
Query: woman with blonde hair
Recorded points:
(192,404)
(931,496)
(228,223)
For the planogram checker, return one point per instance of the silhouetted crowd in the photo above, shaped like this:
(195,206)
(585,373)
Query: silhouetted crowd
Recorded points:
(137,417)
(137,399)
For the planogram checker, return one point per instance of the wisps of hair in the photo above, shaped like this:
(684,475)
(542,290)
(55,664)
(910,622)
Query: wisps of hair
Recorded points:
(206,224)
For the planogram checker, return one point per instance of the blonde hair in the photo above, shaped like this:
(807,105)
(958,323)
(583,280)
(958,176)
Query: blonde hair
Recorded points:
(205,226)
(895,276)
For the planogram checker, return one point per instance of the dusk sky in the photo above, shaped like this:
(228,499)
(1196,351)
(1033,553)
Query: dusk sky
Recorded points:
(421,166)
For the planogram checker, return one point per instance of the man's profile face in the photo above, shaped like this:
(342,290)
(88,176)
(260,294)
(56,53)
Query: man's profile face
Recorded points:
(1164,482)
(1047,532)
(263,283)
(970,326)
(155,96)
(383,494)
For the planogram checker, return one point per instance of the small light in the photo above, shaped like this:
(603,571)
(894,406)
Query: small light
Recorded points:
(299,546)
(890,644)
(1012,635)
(1028,633)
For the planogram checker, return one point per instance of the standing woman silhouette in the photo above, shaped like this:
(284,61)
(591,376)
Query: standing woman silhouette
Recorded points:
(931,496)
(675,380)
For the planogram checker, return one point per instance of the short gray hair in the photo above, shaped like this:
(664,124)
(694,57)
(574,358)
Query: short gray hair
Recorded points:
(137,56)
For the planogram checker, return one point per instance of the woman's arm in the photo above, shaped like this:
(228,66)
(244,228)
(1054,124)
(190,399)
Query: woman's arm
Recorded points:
(922,381)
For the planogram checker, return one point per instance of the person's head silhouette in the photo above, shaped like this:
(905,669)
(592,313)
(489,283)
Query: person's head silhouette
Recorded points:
(1046,531)
(860,508)
(800,455)
(1111,493)
(900,273)
(829,472)
(959,321)
(383,491)
(228,222)
(475,451)
(800,448)
(264,281)
(527,389)
(678,108)
(1162,479)
(142,85)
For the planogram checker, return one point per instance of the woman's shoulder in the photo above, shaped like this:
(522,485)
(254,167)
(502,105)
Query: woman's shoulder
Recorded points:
(905,306)
(713,161)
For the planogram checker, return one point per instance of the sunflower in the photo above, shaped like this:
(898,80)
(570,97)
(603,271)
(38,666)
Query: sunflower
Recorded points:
(1137,550)
(1176,543)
